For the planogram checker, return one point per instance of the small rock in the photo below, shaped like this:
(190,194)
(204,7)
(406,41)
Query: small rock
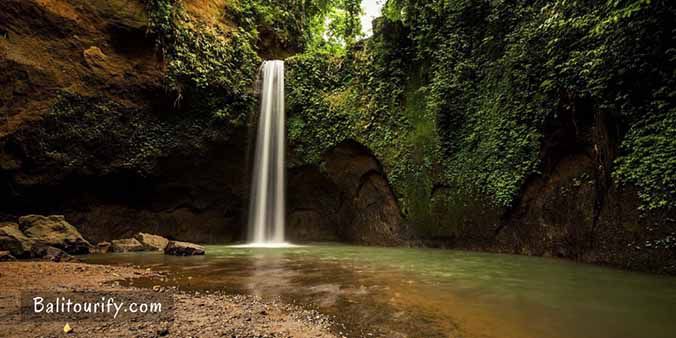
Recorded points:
(6,256)
(50,253)
(67,329)
(103,247)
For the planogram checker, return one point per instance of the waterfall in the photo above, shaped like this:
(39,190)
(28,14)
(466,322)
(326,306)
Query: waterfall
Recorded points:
(267,208)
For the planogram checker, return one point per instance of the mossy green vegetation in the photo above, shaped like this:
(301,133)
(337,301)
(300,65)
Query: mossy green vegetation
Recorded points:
(212,67)
(451,96)
(459,94)
(98,136)
(300,25)
(649,162)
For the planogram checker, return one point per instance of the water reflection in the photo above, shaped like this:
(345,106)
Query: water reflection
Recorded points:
(436,293)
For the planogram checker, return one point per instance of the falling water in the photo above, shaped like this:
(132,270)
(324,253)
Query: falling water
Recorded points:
(267,206)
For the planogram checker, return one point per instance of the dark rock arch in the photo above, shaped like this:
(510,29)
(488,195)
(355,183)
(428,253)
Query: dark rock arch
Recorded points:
(348,199)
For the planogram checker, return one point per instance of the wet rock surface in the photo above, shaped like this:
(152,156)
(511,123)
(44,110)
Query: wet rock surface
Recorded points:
(126,245)
(571,208)
(369,214)
(176,248)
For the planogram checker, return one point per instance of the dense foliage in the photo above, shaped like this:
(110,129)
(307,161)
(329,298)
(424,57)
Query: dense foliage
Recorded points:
(95,135)
(211,67)
(452,94)
(360,97)
(300,25)
(460,93)
(214,66)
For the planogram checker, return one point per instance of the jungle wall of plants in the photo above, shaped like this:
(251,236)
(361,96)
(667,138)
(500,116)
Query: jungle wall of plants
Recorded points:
(457,93)
(212,67)
(448,94)
(215,66)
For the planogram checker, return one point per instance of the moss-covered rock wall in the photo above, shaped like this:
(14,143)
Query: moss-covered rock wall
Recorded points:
(520,127)
(126,116)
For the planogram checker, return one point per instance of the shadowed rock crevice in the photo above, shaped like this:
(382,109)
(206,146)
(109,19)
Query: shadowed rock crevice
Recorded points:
(348,199)
(572,209)
(313,205)
(176,196)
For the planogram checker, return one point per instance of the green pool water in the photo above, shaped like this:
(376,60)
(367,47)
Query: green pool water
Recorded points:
(404,292)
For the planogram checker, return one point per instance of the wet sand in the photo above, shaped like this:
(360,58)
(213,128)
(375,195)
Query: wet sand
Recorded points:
(195,314)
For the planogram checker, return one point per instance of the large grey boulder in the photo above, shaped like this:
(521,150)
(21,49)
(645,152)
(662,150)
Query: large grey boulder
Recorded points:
(152,242)
(54,231)
(126,245)
(12,239)
(177,248)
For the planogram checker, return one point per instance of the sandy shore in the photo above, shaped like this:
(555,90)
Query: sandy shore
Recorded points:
(195,314)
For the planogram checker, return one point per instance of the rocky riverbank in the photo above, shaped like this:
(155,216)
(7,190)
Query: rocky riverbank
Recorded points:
(195,314)
(53,238)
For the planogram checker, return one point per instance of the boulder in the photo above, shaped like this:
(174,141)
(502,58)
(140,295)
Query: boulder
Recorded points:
(126,245)
(152,242)
(54,231)
(6,256)
(102,247)
(177,248)
(14,241)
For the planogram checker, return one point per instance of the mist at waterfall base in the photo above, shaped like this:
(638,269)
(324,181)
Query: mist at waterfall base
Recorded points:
(267,206)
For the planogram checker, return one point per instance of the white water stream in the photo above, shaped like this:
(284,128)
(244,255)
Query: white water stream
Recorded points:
(268,189)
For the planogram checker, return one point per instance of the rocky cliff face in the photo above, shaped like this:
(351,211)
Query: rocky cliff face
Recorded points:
(575,210)
(571,209)
(346,198)
(89,130)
